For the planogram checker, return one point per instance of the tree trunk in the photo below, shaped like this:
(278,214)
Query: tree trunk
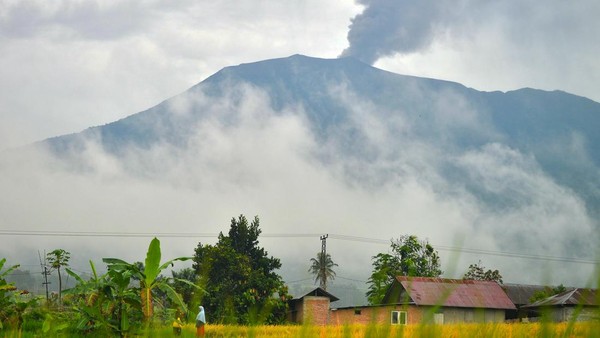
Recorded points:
(147,306)
(59,287)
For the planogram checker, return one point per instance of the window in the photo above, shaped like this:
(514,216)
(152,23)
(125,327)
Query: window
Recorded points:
(399,317)
(357,312)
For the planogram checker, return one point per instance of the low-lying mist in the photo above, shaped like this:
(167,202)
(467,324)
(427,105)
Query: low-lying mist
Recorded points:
(372,177)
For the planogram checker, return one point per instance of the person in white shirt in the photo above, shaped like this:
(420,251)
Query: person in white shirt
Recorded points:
(200,321)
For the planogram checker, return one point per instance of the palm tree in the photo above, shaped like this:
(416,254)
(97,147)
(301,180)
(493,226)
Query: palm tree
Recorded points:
(57,259)
(322,268)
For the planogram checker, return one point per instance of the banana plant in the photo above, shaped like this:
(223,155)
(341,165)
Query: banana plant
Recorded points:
(3,285)
(5,295)
(149,277)
(105,302)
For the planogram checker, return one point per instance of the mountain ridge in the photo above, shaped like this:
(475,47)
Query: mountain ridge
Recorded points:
(253,73)
(436,111)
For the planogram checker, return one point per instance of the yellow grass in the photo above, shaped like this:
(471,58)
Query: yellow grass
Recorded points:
(582,329)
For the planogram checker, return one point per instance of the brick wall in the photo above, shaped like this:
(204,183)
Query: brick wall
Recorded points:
(315,310)
(374,314)
(415,315)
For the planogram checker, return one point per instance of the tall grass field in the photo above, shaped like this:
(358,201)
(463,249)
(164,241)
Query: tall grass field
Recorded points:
(574,329)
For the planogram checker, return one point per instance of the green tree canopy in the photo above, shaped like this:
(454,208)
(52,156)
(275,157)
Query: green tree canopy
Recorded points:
(409,257)
(239,278)
(478,272)
(322,268)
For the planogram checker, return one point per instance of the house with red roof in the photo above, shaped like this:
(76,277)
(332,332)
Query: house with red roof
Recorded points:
(412,300)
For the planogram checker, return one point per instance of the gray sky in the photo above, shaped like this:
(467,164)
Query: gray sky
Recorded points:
(68,65)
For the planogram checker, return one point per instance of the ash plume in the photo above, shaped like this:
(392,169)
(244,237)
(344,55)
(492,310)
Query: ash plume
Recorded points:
(387,27)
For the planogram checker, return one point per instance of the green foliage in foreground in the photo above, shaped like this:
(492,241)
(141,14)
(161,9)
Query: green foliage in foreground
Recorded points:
(107,305)
(104,304)
(12,303)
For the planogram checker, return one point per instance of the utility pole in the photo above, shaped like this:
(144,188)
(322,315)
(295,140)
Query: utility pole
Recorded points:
(323,282)
(46,273)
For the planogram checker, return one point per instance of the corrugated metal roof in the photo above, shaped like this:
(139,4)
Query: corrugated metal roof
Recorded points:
(319,292)
(520,294)
(573,297)
(455,292)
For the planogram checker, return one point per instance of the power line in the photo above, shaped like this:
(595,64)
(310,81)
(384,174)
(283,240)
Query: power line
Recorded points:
(476,251)
(137,234)
(102,234)
(350,279)
(287,235)
(299,280)
(360,239)
(283,235)
(518,255)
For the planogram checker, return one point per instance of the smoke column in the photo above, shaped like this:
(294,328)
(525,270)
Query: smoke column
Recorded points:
(387,27)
